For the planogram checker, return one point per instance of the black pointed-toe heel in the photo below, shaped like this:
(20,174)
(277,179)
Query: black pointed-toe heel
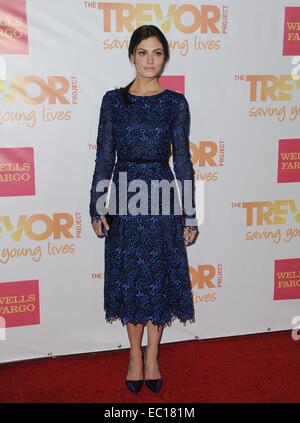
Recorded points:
(154,384)
(134,385)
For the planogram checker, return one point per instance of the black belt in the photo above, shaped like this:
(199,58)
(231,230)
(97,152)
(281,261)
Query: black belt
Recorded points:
(143,160)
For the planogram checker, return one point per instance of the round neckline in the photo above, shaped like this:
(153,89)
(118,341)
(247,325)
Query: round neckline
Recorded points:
(146,96)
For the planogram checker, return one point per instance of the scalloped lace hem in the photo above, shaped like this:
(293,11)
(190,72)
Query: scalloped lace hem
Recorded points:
(125,320)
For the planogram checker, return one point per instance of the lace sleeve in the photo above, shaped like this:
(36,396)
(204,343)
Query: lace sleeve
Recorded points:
(183,166)
(105,153)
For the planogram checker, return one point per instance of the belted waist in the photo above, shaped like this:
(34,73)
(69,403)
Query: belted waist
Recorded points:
(143,160)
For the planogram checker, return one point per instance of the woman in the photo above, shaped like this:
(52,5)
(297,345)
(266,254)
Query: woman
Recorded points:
(146,269)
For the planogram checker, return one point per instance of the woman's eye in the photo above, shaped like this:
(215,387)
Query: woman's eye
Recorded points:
(158,52)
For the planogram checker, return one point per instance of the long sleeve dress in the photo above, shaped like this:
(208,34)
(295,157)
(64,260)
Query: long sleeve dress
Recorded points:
(146,275)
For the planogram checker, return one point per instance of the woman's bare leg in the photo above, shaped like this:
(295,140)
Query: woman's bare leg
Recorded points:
(154,337)
(135,368)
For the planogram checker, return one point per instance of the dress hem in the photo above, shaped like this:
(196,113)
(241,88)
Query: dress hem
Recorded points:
(124,321)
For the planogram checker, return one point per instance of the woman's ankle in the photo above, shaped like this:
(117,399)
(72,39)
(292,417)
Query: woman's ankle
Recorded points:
(135,353)
(152,351)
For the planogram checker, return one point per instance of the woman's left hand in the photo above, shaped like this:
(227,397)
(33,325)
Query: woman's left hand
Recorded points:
(190,235)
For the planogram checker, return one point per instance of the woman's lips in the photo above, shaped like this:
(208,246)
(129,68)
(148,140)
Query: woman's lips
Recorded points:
(149,68)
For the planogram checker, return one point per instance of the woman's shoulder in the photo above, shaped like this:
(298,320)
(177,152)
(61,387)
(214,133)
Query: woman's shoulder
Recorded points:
(113,94)
(109,97)
(109,93)
(178,98)
(176,93)
(179,101)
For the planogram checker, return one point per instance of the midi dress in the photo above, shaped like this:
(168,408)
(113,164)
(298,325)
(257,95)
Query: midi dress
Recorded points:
(146,271)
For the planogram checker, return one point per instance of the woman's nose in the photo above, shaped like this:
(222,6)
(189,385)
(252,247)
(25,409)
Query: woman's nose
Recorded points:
(150,60)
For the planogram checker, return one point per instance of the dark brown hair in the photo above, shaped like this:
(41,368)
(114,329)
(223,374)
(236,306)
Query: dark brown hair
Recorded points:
(142,33)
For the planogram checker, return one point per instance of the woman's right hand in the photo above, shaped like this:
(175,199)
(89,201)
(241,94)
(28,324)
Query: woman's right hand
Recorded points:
(97,226)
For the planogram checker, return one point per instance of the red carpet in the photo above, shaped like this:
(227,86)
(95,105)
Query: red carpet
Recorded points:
(251,368)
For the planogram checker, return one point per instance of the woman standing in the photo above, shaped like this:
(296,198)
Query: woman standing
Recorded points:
(146,278)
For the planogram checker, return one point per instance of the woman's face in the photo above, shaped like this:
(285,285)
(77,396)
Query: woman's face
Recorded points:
(148,57)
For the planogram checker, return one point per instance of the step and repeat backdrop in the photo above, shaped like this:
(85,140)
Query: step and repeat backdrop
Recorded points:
(238,64)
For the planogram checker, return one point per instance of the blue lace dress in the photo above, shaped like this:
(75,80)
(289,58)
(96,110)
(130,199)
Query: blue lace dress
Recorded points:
(146,275)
